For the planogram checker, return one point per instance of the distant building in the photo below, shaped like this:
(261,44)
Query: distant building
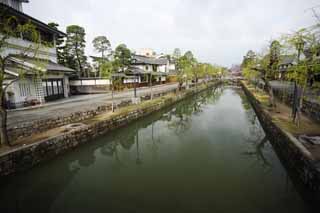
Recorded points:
(144,67)
(146,52)
(286,61)
(235,70)
(32,88)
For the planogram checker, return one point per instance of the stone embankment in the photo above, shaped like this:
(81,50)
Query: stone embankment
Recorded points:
(303,168)
(72,135)
(36,126)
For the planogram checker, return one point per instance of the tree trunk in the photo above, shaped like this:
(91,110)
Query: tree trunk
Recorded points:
(299,107)
(180,85)
(3,125)
(272,101)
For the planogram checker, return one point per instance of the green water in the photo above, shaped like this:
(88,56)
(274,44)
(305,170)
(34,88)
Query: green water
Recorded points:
(205,154)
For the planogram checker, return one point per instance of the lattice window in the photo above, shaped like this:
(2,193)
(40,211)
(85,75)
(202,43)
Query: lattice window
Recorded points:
(25,89)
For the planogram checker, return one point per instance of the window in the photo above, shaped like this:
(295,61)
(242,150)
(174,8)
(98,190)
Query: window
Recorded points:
(24,89)
(44,86)
(60,87)
(147,68)
(49,87)
(55,87)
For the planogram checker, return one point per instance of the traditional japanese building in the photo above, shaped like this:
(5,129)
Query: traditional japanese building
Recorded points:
(32,73)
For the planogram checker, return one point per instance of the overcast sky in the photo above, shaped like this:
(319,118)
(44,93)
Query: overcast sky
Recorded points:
(216,31)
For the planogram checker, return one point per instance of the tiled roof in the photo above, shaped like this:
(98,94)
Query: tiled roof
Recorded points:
(287,59)
(31,63)
(12,12)
(139,59)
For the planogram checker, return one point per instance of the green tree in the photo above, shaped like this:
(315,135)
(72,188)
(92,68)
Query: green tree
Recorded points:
(75,49)
(248,59)
(59,45)
(184,66)
(301,73)
(10,27)
(102,45)
(122,57)
(176,53)
(106,69)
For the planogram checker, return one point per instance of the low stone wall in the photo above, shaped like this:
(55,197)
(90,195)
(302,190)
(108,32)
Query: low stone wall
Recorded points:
(310,108)
(28,156)
(27,129)
(301,167)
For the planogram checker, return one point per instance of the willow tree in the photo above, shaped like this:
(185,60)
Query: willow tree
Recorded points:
(299,42)
(184,66)
(9,28)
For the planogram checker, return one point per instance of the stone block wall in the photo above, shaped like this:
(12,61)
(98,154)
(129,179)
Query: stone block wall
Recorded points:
(301,167)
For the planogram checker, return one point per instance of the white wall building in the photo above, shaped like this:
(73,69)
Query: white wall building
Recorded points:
(145,67)
(34,77)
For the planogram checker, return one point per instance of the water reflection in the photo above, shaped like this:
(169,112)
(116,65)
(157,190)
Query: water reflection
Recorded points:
(180,117)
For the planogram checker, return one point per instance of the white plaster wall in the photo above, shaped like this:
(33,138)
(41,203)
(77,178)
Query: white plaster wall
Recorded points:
(17,97)
(126,81)
(66,86)
(91,82)
(161,68)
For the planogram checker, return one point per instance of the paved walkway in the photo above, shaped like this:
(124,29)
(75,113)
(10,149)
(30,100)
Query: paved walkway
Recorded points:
(78,103)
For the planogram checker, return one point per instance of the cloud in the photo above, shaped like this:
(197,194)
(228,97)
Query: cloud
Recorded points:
(219,31)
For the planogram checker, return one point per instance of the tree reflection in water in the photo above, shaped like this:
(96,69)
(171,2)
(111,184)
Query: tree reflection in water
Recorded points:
(138,160)
(181,116)
(257,138)
(179,119)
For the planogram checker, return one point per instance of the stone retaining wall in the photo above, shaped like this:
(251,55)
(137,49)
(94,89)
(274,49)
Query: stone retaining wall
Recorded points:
(27,129)
(301,167)
(28,156)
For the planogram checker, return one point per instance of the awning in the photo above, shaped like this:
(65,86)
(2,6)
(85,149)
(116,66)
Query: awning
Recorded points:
(16,71)
(40,65)
(136,70)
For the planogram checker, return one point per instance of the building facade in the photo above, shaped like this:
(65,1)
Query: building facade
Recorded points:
(32,75)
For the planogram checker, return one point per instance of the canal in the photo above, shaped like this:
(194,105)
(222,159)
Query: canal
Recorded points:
(207,153)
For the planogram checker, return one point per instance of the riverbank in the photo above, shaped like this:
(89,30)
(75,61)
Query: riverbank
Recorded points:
(302,161)
(48,144)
